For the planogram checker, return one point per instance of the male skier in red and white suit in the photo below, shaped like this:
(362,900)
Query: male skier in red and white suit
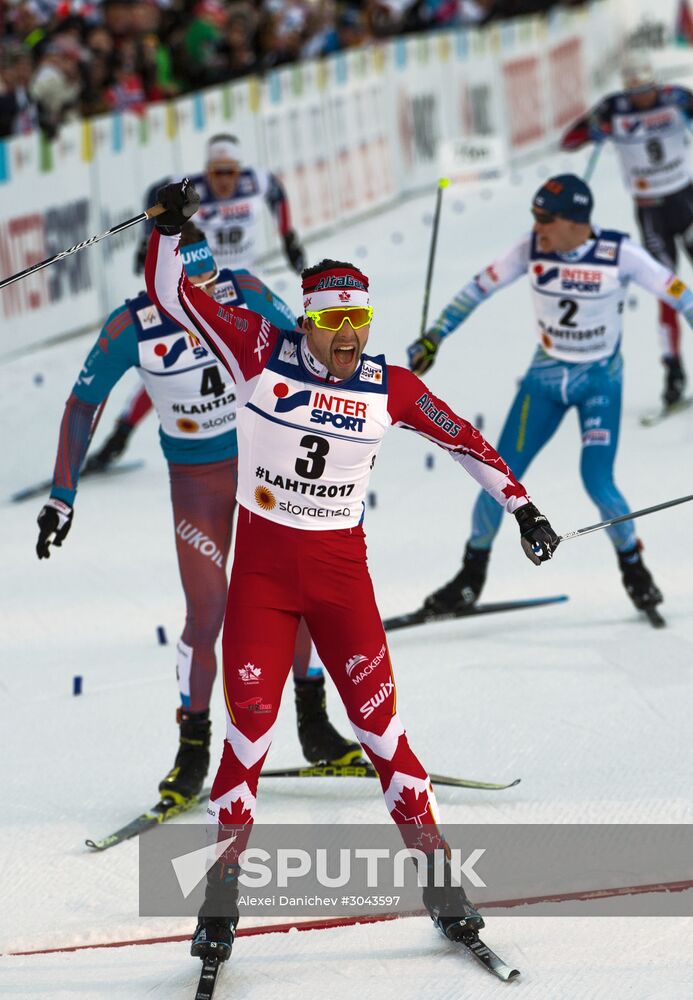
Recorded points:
(312,413)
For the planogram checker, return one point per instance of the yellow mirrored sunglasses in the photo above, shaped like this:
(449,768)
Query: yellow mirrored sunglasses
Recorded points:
(334,319)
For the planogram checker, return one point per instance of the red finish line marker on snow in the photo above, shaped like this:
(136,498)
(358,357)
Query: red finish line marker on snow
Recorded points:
(326,923)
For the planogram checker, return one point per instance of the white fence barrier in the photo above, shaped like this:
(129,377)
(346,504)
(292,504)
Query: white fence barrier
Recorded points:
(346,135)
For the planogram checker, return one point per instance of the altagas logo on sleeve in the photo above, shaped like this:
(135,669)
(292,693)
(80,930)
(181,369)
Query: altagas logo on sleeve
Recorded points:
(438,416)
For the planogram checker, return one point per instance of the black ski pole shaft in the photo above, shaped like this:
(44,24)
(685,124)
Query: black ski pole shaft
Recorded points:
(149,213)
(442,184)
(624,517)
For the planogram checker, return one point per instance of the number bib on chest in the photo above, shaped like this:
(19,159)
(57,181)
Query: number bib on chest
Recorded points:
(578,304)
(307,447)
(230,226)
(652,146)
(193,395)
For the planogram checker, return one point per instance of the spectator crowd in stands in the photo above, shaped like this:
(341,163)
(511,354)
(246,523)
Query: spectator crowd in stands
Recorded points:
(63,59)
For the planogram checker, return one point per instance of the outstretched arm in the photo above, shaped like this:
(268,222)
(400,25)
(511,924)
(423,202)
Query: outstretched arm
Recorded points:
(500,273)
(113,353)
(413,407)
(639,266)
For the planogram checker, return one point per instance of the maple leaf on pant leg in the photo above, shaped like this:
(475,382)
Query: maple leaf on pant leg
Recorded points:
(412,807)
(237,815)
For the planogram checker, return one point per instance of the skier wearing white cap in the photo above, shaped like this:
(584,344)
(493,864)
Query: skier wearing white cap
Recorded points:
(231,198)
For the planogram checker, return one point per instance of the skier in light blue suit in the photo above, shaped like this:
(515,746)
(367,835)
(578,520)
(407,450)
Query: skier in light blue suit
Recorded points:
(578,275)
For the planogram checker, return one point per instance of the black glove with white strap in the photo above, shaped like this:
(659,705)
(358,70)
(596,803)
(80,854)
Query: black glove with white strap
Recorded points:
(181,201)
(538,538)
(54,521)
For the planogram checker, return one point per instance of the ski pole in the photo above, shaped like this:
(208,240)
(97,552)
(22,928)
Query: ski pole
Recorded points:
(624,517)
(149,213)
(592,162)
(442,184)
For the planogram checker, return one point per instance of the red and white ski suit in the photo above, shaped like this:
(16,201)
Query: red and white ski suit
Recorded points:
(307,443)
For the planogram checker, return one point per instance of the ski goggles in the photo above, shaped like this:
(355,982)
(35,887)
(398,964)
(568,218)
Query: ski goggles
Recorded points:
(208,281)
(334,319)
(543,218)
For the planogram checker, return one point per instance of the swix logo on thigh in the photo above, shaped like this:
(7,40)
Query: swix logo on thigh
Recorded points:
(381,695)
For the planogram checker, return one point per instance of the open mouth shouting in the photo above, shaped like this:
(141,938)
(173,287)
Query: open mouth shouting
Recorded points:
(345,357)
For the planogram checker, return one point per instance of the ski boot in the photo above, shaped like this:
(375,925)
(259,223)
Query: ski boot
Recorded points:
(319,740)
(218,916)
(112,448)
(450,910)
(464,589)
(637,579)
(674,381)
(184,781)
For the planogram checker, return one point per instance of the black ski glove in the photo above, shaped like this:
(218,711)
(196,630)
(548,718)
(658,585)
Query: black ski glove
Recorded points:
(181,201)
(538,538)
(54,521)
(112,448)
(295,254)
(422,353)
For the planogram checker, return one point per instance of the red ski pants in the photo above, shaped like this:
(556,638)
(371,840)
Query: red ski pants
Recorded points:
(279,575)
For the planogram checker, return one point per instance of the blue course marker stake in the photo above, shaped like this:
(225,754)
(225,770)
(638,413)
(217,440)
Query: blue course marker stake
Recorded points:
(77,685)
(161,635)
(372,500)
(430,461)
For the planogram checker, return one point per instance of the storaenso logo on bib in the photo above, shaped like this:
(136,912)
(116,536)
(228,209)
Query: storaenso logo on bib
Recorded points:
(298,511)
(264,498)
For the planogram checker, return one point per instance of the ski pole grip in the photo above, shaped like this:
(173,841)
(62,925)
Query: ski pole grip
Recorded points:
(155,210)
